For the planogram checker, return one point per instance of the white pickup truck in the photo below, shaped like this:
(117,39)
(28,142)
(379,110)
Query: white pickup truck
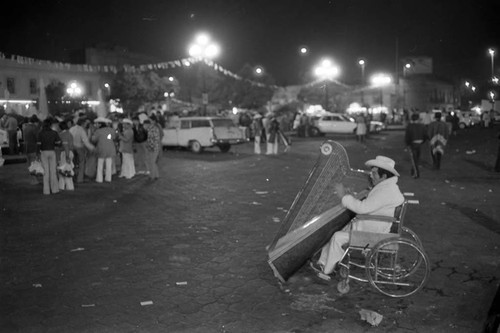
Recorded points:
(197,133)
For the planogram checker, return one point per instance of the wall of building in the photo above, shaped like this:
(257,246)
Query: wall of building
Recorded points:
(426,93)
(21,80)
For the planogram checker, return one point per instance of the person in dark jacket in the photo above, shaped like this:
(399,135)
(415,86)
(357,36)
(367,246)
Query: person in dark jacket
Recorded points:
(47,141)
(438,135)
(415,136)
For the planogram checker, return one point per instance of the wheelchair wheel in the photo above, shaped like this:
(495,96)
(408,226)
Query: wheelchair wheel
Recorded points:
(343,287)
(397,267)
(408,233)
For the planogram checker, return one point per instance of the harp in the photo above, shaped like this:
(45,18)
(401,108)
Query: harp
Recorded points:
(316,213)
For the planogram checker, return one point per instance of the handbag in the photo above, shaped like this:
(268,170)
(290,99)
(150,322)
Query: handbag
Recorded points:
(36,168)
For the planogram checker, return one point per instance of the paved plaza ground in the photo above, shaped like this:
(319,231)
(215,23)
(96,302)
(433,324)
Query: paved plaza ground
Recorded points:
(187,253)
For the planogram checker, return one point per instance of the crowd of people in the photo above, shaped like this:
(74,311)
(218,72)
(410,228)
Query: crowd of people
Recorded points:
(83,149)
(268,129)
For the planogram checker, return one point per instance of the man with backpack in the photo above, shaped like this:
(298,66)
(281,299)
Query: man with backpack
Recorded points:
(140,138)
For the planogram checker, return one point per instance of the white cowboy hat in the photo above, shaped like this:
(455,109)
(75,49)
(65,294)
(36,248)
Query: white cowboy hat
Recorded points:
(127,121)
(102,120)
(383,162)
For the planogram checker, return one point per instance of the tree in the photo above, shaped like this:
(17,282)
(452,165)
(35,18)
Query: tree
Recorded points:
(136,88)
(252,92)
(59,103)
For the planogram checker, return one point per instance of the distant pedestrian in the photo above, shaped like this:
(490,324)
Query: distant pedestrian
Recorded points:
(273,136)
(415,136)
(257,128)
(126,138)
(104,138)
(47,141)
(10,124)
(30,134)
(486,119)
(139,145)
(438,135)
(361,127)
(66,166)
(81,147)
(153,145)
(497,164)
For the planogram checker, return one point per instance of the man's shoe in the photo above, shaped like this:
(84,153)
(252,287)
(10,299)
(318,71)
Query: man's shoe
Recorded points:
(316,267)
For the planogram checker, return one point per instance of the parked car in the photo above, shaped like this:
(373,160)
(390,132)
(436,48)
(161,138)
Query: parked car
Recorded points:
(467,119)
(332,123)
(197,133)
(495,118)
(376,126)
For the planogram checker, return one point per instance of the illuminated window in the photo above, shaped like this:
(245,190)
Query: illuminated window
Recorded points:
(33,87)
(11,85)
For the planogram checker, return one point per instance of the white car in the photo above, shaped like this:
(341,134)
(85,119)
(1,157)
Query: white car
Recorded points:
(332,123)
(197,133)
(467,119)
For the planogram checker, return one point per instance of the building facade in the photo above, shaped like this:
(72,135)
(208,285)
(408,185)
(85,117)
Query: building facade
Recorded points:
(22,80)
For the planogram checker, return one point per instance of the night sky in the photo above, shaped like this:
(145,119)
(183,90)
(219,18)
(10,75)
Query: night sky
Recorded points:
(456,33)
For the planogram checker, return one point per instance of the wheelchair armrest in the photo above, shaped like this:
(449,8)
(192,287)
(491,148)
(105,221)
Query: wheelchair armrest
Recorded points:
(375,218)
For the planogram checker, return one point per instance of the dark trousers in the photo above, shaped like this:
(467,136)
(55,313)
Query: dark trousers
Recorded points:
(415,152)
(13,149)
(81,158)
(436,160)
(497,164)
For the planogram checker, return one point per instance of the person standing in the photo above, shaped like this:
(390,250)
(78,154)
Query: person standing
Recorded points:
(438,135)
(361,127)
(497,164)
(66,157)
(10,126)
(30,133)
(126,138)
(81,146)
(415,136)
(152,149)
(104,138)
(257,128)
(47,141)
(486,119)
(140,138)
(272,142)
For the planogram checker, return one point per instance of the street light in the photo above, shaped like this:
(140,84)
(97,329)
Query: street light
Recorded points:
(204,48)
(74,90)
(491,51)
(303,50)
(326,71)
(259,70)
(108,87)
(381,80)
(406,68)
(362,63)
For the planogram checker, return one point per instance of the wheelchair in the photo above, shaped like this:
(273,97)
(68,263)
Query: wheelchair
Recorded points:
(393,263)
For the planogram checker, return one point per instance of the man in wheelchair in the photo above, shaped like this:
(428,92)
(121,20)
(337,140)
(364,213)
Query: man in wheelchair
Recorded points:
(382,200)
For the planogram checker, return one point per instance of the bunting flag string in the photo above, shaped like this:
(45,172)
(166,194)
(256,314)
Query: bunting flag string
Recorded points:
(185,62)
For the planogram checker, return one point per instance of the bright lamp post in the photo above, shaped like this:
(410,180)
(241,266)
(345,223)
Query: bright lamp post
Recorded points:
(74,90)
(203,48)
(381,80)
(492,52)
(326,71)
(406,68)
(362,63)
